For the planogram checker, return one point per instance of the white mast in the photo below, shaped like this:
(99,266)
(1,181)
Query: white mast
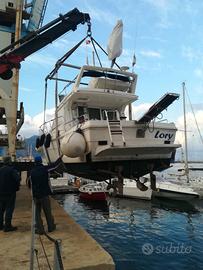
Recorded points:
(185,135)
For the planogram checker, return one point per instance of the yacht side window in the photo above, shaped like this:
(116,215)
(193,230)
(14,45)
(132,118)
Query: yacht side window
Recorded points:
(111,115)
(82,114)
(74,113)
(94,114)
(81,111)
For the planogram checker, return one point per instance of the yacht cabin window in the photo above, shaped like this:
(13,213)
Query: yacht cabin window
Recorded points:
(111,115)
(96,113)
(81,111)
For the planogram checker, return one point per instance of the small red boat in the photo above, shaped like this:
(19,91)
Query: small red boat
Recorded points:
(93,192)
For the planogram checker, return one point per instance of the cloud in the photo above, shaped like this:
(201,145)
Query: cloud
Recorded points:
(198,72)
(193,137)
(163,8)
(159,4)
(101,15)
(191,53)
(153,38)
(190,8)
(26,89)
(138,110)
(41,59)
(63,43)
(150,53)
(32,125)
(198,106)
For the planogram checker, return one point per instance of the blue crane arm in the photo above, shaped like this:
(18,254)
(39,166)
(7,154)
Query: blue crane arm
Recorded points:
(39,39)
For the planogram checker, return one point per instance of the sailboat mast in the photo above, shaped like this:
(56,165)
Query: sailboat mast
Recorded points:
(185,135)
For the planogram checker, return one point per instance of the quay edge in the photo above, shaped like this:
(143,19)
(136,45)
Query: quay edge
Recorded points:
(79,249)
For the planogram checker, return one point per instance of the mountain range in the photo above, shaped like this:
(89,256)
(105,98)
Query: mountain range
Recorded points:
(29,147)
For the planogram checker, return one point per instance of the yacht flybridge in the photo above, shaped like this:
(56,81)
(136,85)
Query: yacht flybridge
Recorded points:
(93,134)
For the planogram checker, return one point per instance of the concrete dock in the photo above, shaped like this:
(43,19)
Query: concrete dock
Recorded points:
(79,249)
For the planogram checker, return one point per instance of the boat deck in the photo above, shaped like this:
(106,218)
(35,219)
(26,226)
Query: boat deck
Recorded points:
(79,249)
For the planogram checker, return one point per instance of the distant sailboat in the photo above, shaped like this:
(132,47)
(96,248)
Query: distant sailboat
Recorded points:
(187,176)
(185,153)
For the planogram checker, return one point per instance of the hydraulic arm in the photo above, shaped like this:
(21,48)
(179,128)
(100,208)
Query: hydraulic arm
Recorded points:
(11,57)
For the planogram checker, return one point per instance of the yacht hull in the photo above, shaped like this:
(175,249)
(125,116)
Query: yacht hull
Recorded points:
(101,171)
(175,195)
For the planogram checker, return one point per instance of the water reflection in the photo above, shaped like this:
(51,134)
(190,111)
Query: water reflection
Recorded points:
(60,198)
(123,226)
(102,207)
(175,205)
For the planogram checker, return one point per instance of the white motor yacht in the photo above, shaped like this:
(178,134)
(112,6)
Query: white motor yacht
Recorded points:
(94,136)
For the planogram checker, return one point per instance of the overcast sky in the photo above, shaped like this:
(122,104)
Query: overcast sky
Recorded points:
(165,35)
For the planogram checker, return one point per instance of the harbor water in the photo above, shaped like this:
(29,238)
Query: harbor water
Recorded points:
(142,235)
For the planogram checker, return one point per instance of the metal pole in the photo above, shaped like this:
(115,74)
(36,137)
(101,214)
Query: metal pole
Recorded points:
(56,112)
(185,135)
(130,111)
(93,58)
(56,265)
(32,246)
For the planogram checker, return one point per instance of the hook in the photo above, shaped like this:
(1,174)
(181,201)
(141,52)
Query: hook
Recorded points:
(89,31)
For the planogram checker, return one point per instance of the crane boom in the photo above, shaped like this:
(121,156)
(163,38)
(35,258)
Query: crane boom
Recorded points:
(39,39)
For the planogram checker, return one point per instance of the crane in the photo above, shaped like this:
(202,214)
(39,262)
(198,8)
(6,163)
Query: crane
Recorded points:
(11,58)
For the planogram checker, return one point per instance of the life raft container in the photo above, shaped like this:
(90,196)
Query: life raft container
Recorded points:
(73,145)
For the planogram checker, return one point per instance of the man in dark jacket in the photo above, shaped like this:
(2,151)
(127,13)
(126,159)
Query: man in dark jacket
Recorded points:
(9,184)
(41,191)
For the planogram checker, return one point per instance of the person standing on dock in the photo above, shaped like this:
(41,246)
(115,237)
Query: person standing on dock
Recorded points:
(41,190)
(9,184)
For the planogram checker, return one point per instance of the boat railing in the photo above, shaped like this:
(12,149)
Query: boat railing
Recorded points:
(69,124)
(48,125)
(97,72)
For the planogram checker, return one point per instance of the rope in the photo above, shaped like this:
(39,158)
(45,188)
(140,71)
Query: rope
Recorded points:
(103,50)
(195,118)
(50,238)
(45,253)
(54,71)
(36,253)
(67,85)
(96,51)
(64,58)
